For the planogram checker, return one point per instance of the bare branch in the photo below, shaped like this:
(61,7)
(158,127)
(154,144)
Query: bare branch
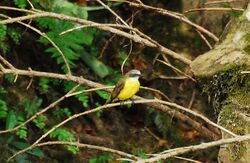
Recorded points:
(245,72)
(205,39)
(173,15)
(100,148)
(176,69)
(178,151)
(214,9)
(224,1)
(135,38)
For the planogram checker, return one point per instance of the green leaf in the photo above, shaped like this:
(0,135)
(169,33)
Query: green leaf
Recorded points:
(9,77)
(22,145)
(96,65)
(73,149)
(121,57)
(31,106)
(101,158)
(64,135)
(14,35)
(3,114)
(44,84)
(21,3)
(140,153)
(3,33)
(40,121)
(22,131)
(11,120)
(84,98)
(3,109)
(70,8)
(103,94)
(2,90)
(60,112)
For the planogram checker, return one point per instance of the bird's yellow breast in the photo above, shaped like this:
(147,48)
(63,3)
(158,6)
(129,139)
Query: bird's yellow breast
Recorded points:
(130,88)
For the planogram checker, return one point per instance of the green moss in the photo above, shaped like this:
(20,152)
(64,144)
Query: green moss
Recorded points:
(241,99)
(237,150)
(247,49)
(229,81)
(230,119)
(235,122)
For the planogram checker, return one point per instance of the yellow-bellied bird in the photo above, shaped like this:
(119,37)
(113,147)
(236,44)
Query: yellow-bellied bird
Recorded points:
(126,87)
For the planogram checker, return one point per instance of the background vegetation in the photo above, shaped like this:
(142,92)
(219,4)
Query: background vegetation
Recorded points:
(93,55)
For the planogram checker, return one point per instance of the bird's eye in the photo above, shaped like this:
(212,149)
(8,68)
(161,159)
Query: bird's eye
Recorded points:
(134,75)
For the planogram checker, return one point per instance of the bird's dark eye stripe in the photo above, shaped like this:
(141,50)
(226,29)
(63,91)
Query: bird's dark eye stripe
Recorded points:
(134,75)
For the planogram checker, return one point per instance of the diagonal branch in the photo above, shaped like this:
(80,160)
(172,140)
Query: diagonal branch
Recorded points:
(100,148)
(178,151)
(133,37)
(40,112)
(214,9)
(173,15)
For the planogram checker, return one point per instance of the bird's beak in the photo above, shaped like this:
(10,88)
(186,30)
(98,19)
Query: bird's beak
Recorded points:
(141,75)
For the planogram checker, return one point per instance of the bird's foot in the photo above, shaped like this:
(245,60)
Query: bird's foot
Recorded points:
(132,101)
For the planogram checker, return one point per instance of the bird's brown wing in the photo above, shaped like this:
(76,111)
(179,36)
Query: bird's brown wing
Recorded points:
(116,90)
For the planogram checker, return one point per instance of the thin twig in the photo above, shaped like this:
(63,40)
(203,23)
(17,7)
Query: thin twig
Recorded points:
(96,25)
(223,1)
(17,9)
(125,23)
(80,145)
(106,45)
(88,90)
(156,91)
(6,62)
(31,5)
(172,77)
(176,69)
(114,13)
(204,39)
(192,100)
(152,134)
(173,15)
(125,60)
(187,159)
(197,115)
(214,9)
(245,72)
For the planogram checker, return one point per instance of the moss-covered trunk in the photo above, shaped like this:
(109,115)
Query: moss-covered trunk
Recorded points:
(219,73)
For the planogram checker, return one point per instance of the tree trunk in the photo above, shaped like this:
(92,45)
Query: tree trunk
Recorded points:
(219,73)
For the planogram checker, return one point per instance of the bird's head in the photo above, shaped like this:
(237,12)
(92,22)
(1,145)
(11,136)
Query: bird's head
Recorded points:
(134,74)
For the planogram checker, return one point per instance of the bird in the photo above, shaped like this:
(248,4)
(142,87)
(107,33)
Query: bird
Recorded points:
(126,87)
